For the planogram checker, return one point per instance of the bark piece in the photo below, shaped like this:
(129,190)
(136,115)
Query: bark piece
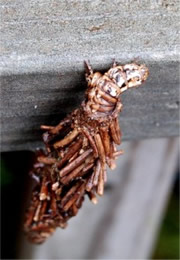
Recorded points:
(96,173)
(46,160)
(44,189)
(100,147)
(100,186)
(67,139)
(113,133)
(105,139)
(72,165)
(91,141)
(71,151)
(92,197)
(78,193)
(67,178)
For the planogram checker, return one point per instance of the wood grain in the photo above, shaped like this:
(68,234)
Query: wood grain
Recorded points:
(44,44)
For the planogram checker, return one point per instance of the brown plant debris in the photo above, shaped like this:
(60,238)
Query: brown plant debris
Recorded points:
(73,166)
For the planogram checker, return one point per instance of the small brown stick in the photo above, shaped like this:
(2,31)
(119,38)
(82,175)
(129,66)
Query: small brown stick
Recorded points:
(69,193)
(111,163)
(78,194)
(72,165)
(96,173)
(89,159)
(72,150)
(37,213)
(43,209)
(40,227)
(79,202)
(100,147)
(74,156)
(53,205)
(117,153)
(104,175)
(92,197)
(118,130)
(80,199)
(44,189)
(104,172)
(31,214)
(113,133)
(46,160)
(67,178)
(100,186)
(66,140)
(57,128)
(87,168)
(74,209)
(117,108)
(105,139)
(89,183)
(91,141)
(46,127)
(114,148)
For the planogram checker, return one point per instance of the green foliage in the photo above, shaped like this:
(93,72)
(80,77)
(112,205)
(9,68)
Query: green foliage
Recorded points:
(6,174)
(168,242)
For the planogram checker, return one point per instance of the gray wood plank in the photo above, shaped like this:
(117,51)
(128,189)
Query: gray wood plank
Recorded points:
(31,100)
(125,222)
(43,36)
(44,43)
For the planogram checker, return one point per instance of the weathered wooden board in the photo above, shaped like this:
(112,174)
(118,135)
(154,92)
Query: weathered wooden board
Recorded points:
(125,222)
(44,43)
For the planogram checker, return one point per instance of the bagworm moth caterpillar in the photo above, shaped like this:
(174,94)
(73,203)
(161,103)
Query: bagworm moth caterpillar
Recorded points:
(77,151)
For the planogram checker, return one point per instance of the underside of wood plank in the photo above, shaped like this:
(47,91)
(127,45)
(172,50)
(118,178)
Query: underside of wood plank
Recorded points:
(31,100)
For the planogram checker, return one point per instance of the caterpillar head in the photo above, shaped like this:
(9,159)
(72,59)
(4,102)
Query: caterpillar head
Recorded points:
(135,74)
(129,75)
